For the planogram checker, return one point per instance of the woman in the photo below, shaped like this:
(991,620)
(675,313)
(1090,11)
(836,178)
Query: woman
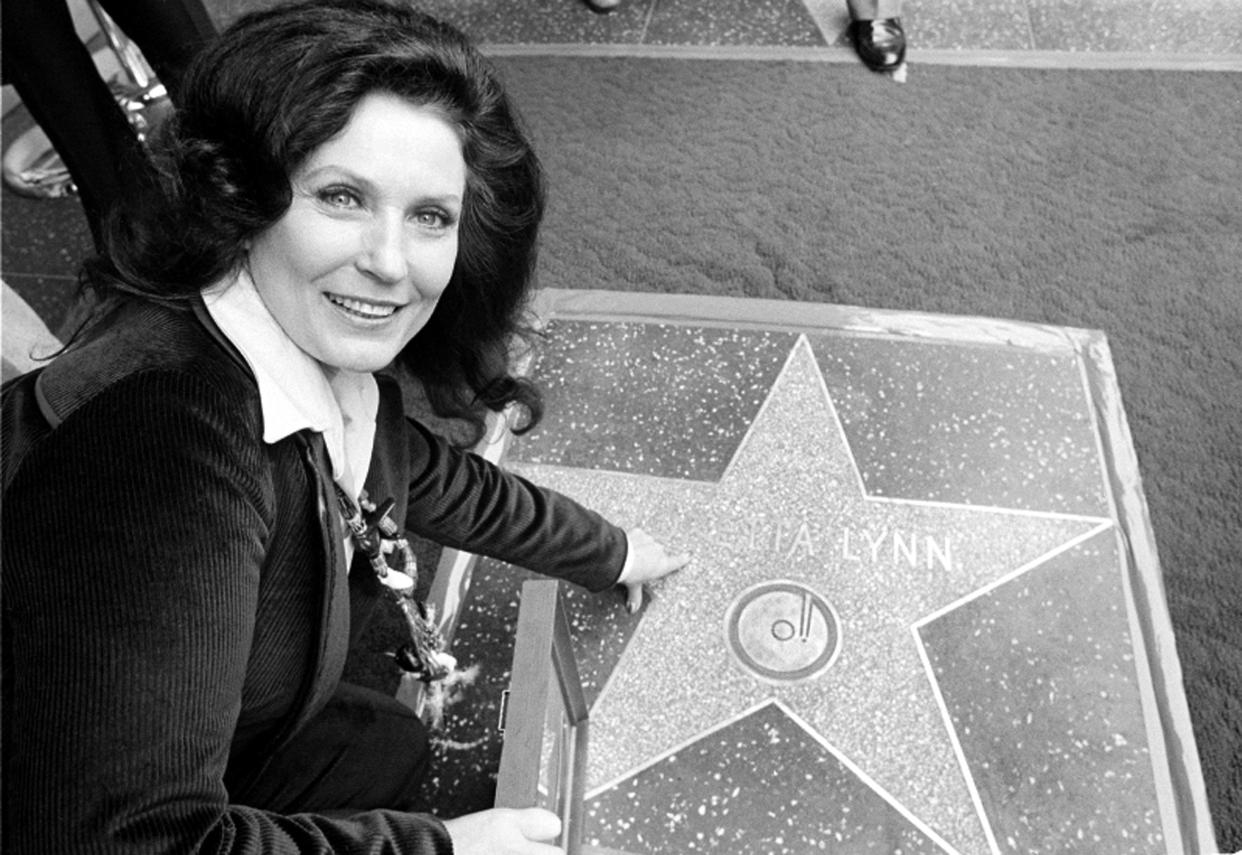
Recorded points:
(344,184)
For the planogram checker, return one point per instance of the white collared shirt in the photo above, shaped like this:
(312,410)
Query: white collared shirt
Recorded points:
(296,392)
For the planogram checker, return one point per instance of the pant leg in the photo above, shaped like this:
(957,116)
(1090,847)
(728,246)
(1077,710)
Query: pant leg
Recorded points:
(870,10)
(53,72)
(168,32)
(365,750)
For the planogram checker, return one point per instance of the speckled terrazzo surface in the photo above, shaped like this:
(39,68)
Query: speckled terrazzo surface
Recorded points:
(934,421)
(1059,754)
(686,397)
(905,625)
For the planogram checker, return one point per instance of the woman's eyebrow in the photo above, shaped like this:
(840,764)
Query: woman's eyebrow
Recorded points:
(441,198)
(331,170)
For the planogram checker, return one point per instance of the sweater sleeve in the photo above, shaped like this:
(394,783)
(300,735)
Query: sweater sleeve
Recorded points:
(134,534)
(461,500)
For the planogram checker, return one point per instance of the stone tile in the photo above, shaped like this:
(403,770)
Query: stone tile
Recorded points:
(42,236)
(694,397)
(49,296)
(762,783)
(1165,26)
(510,21)
(1171,26)
(967,25)
(733,22)
(944,410)
(832,17)
(941,24)
(543,21)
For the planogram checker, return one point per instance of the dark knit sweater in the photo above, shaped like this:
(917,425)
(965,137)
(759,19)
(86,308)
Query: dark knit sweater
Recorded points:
(175,601)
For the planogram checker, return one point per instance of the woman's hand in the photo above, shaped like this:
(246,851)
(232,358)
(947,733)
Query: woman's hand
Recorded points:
(505,831)
(647,561)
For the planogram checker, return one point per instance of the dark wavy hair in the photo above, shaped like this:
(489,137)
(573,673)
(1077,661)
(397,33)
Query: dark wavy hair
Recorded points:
(275,86)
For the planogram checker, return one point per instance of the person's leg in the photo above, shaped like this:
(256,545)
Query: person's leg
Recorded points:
(56,78)
(870,10)
(364,750)
(168,32)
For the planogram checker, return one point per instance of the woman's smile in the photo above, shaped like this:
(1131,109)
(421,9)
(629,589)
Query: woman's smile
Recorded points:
(363,309)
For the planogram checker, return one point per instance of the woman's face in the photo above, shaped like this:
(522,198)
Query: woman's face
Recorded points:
(355,266)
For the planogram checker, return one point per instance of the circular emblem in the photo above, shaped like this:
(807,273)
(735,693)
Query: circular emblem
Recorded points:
(783,632)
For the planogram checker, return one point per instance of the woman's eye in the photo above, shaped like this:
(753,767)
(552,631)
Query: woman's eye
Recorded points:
(434,219)
(339,197)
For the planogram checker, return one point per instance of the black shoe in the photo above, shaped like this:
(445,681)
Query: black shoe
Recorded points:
(603,7)
(881,44)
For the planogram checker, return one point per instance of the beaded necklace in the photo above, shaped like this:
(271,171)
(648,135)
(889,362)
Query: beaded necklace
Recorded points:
(376,536)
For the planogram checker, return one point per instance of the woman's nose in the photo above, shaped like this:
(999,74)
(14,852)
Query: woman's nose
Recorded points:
(383,249)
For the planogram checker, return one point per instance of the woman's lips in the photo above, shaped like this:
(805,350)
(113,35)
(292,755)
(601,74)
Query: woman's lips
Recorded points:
(363,308)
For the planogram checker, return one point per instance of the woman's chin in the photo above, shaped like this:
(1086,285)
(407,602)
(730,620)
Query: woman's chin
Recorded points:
(362,361)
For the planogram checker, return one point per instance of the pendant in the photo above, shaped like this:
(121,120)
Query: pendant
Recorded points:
(377,536)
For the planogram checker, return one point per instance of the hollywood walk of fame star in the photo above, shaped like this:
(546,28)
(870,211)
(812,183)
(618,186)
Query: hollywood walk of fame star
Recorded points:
(791,510)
